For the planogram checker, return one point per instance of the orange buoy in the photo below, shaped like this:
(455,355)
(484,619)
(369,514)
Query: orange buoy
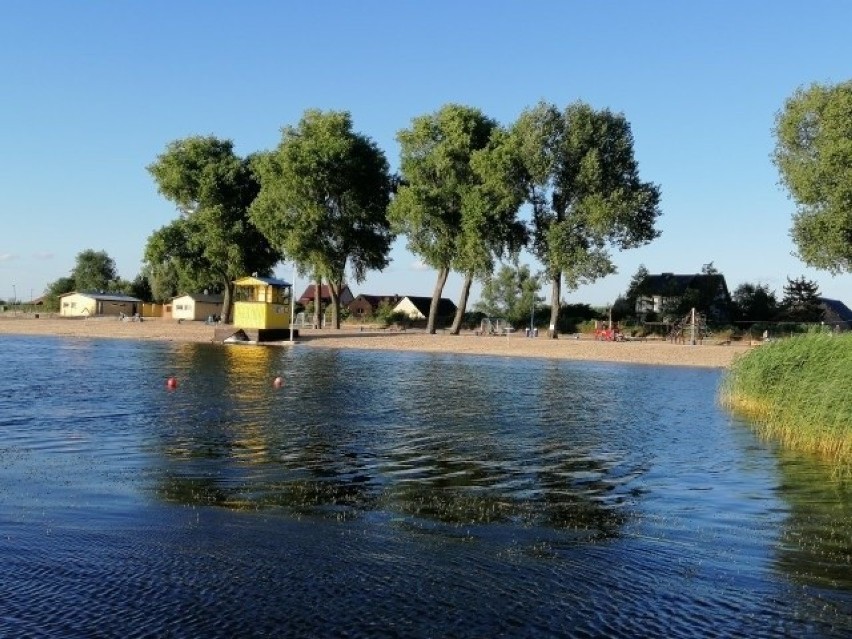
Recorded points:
(278,382)
(171,383)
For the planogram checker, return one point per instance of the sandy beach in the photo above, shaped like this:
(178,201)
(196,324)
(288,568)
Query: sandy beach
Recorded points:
(656,352)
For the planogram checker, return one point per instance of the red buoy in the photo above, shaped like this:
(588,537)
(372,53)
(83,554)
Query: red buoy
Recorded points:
(171,383)
(278,382)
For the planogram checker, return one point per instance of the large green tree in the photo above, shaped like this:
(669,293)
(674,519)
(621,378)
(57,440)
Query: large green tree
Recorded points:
(754,303)
(438,182)
(813,154)
(175,262)
(94,271)
(323,200)
(583,185)
(214,239)
(490,228)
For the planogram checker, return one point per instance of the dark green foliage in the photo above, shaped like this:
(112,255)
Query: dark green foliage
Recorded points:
(801,301)
(572,316)
(55,289)
(140,288)
(622,309)
(754,303)
(511,294)
(626,306)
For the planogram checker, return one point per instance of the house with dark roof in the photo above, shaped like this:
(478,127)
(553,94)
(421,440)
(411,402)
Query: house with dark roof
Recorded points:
(707,293)
(94,303)
(417,309)
(365,306)
(836,314)
(309,295)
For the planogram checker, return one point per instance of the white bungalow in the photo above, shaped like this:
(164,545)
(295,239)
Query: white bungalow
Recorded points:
(98,304)
(196,306)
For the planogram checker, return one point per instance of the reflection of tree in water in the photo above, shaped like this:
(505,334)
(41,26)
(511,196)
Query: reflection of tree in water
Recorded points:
(429,441)
(497,448)
(816,541)
(241,444)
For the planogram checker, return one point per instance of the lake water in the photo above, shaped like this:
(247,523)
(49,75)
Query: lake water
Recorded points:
(399,495)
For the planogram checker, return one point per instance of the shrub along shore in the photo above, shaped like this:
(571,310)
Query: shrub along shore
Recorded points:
(798,391)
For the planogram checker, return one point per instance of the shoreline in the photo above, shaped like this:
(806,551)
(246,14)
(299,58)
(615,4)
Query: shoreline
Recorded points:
(651,352)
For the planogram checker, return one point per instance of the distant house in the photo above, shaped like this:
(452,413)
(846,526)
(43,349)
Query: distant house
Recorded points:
(196,306)
(309,295)
(90,304)
(836,314)
(708,293)
(417,309)
(365,306)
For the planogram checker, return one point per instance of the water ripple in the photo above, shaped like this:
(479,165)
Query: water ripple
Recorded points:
(387,495)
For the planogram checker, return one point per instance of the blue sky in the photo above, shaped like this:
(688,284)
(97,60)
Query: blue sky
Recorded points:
(93,91)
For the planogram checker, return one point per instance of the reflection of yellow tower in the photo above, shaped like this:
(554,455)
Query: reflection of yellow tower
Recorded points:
(262,308)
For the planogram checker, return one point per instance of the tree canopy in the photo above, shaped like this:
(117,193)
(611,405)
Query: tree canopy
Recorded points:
(94,271)
(442,205)
(754,303)
(813,154)
(511,293)
(214,240)
(323,200)
(583,184)
(801,301)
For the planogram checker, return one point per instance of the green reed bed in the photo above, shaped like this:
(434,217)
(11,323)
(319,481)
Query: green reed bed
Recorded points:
(797,391)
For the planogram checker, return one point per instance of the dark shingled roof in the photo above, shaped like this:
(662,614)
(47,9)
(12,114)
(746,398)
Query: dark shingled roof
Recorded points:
(202,297)
(671,285)
(837,308)
(446,306)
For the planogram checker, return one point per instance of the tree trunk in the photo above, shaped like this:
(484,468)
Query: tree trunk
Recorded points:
(318,302)
(227,302)
(465,292)
(555,292)
(334,289)
(443,273)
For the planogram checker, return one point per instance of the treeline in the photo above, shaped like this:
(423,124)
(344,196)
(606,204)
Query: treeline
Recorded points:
(326,199)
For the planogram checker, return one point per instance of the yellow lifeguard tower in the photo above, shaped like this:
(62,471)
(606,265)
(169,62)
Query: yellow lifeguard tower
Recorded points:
(262,310)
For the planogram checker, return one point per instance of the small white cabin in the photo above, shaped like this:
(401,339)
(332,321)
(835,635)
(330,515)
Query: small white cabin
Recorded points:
(196,306)
(98,304)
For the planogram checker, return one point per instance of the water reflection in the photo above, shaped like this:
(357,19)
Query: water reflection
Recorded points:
(343,438)
(816,541)
(434,496)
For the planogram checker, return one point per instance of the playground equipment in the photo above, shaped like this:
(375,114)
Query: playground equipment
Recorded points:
(693,326)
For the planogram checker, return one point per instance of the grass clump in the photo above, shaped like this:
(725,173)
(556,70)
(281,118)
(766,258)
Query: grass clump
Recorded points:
(797,391)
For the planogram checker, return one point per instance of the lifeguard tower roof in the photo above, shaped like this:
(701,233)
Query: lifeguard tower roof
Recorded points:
(254,280)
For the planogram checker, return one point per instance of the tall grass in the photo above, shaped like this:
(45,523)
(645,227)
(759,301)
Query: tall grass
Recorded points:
(798,391)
